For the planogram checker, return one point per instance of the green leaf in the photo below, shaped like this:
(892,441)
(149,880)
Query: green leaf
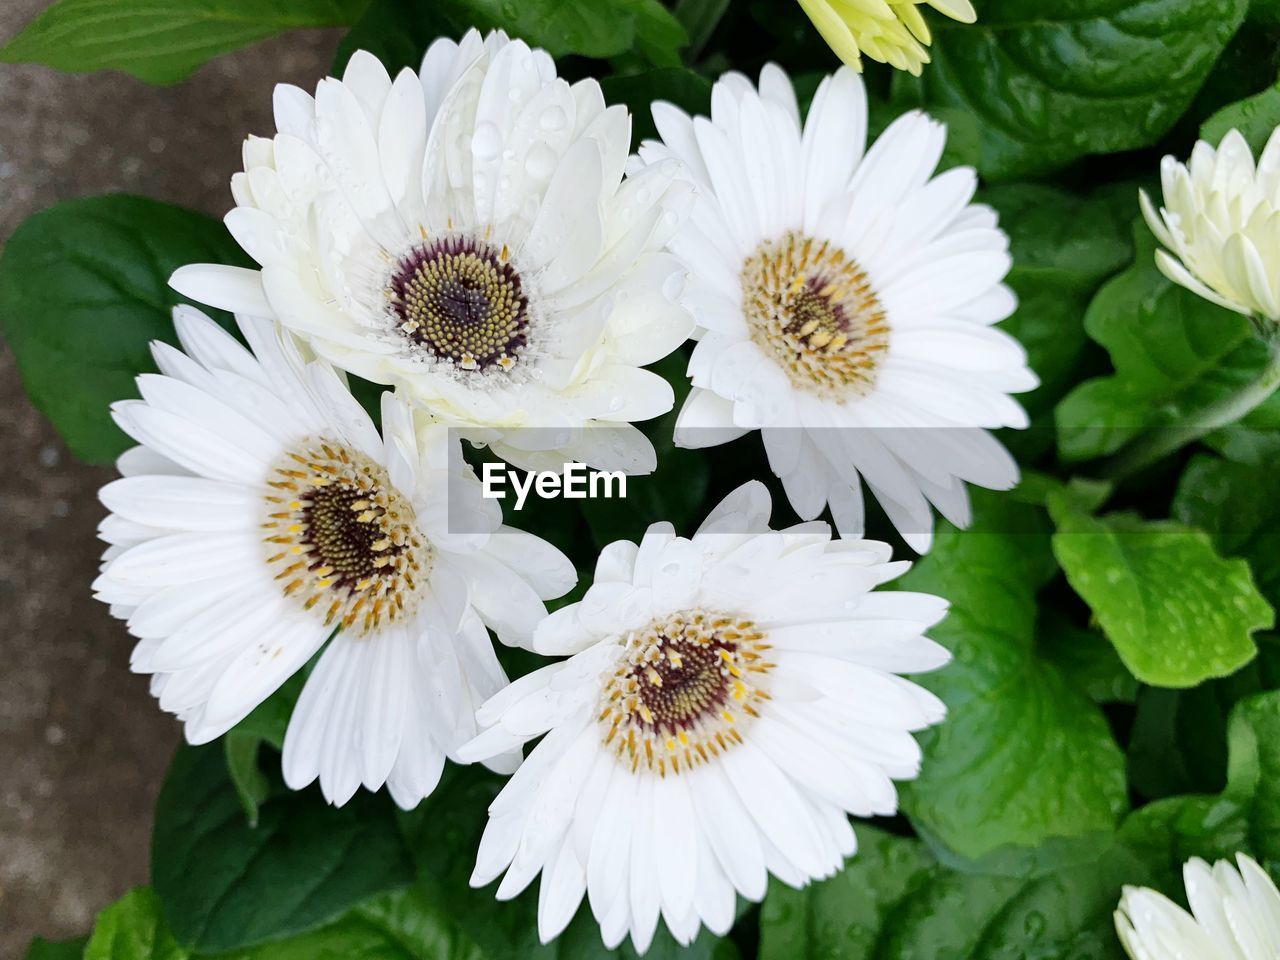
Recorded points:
(1254,769)
(1174,354)
(1087,661)
(1254,438)
(133,929)
(1024,755)
(700,19)
(1238,504)
(688,90)
(842,917)
(251,784)
(226,886)
(266,724)
(395,926)
(1063,247)
(1255,117)
(161,41)
(600,28)
(83,290)
(893,901)
(1178,740)
(1051,85)
(397,32)
(1265,12)
(1176,611)
(42,949)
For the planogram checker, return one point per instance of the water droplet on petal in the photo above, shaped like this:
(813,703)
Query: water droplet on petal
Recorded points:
(486,141)
(541,161)
(553,120)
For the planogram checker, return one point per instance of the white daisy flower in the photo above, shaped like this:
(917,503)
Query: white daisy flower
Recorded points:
(729,700)
(262,513)
(1220,226)
(1235,915)
(465,233)
(845,303)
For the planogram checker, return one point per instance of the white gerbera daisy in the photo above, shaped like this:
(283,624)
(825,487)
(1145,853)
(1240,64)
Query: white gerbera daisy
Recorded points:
(1220,226)
(1235,915)
(465,234)
(728,701)
(262,513)
(845,303)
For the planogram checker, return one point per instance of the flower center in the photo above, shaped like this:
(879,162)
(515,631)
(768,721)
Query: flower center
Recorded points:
(341,538)
(812,310)
(460,300)
(681,688)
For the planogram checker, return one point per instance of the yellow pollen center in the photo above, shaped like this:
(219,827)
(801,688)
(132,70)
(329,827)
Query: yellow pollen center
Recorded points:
(460,301)
(683,689)
(341,539)
(812,309)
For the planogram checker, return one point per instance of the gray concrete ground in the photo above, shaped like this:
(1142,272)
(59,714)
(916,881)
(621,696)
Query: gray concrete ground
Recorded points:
(82,746)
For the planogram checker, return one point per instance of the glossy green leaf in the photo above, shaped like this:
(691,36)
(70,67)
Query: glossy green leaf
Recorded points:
(1087,661)
(397,32)
(225,886)
(1238,504)
(83,291)
(395,926)
(1176,611)
(1063,246)
(1024,755)
(1255,117)
(1254,769)
(1254,438)
(895,902)
(1174,354)
(161,41)
(132,928)
(1052,83)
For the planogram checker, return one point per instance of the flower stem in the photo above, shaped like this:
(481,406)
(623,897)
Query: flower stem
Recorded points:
(1150,447)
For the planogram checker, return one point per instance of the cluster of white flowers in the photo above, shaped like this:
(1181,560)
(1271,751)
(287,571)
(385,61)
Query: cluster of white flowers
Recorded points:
(476,237)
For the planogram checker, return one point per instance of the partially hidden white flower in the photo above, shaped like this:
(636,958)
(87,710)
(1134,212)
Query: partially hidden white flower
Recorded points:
(1235,915)
(262,512)
(465,234)
(728,701)
(891,31)
(845,302)
(1219,222)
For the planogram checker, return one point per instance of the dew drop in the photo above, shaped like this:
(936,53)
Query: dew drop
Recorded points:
(486,141)
(541,161)
(553,120)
